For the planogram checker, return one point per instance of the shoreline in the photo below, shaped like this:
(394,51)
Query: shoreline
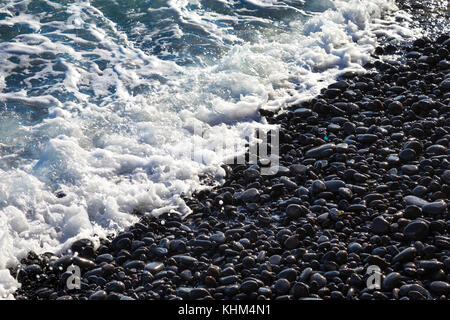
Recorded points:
(341,206)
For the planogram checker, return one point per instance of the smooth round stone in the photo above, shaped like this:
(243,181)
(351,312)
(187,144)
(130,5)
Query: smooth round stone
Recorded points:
(407,288)
(186,275)
(393,159)
(305,275)
(416,230)
(348,128)
(446,177)
(323,217)
(334,185)
(134,264)
(321,164)
(414,145)
(290,274)
(420,191)
(444,64)
(177,246)
(83,263)
(115,286)
(405,255)
(298,169)
(265,291)
(288,183)
(407,155)
(434,208)
(98,295)
(198,293)
(409,169)
(123,243)
(318,186)
(249,286)
(354,247)
(251,174)
(445,85)
(342,147)
(159,251)
(275,259)
(279,170)
(436,149)
(380,225)
(447,263)
(321,151)
(281,286)
(333,127)
(341,85)
(412,212)
(345,193)
(154,267)
(185,260)
(218,237)
(302,112)
(63,262)
(341,256)
(319,279)
(392,280)
(366,138)
(291,243)
(416,201)
(107,269)
(398,135)
(300,290)
(395,107)
(33,269)
(440,287)
(302,191)
(323,238)
(431,265)
(106,257)
(250,195)
(293,211)
(332,93)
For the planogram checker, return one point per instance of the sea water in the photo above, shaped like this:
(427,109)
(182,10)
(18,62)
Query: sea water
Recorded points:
(99,100)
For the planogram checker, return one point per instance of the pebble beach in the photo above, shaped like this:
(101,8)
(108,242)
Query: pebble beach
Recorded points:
(363,181)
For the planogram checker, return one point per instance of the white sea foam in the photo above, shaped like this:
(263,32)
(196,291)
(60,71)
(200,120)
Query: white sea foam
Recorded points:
(116,128)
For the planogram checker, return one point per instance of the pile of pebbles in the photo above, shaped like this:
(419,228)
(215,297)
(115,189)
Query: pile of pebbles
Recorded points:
(364,180)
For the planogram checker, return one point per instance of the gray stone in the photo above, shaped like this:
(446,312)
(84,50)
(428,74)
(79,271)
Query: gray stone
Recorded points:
(294,211)
(380,225)
(321,151)
(250,195)
(440,287)
(416,230)
(416,201)
(434,208)
(154,267)
(115,286)
(406,255)
(392,280)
